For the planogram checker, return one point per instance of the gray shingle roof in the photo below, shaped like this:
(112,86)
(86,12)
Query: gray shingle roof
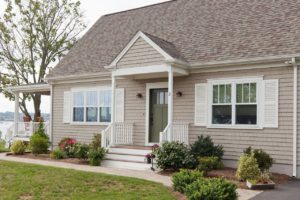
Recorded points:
(196,31)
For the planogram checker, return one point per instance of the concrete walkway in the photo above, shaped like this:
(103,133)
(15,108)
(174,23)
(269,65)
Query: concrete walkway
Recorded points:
(288,191)
(146,175)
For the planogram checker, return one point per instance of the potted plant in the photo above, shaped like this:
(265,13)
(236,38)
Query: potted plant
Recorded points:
(27,118)
(148,158)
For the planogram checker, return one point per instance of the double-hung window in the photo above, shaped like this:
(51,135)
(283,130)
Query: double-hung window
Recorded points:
(91,106)
(234,103)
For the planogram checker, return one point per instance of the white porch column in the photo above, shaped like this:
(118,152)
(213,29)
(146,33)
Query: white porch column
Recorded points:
(170,102)
(113,108)
(16,116)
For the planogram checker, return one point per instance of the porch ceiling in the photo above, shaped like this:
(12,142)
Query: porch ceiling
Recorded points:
(43,89)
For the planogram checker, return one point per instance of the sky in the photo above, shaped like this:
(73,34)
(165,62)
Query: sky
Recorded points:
(93,10)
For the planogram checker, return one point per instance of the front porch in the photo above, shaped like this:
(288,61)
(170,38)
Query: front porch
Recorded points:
(23,130)
(123,133)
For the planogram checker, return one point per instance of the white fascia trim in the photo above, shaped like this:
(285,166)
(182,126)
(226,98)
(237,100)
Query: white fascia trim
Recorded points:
(141,70)
(248,61)
(78,77)
(29,88)
(149,70)
(140,34)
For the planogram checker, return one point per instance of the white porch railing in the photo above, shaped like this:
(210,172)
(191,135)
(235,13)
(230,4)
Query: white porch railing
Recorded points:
(178,132)
(119,133)
(106,137)
(25,130)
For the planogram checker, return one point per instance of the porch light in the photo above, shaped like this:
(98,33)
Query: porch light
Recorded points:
(179,94)
(139,95)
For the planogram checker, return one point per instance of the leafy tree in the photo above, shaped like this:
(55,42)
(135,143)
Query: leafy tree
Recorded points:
(34,35)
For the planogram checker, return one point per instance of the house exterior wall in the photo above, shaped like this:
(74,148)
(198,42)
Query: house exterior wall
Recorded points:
(140,54)
(276,141)
(82,133)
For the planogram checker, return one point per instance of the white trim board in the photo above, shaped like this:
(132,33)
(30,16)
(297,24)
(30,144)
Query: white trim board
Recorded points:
(150,86)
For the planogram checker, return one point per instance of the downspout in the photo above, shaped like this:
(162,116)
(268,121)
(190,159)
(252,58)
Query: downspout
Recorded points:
(295,116)
(51,117)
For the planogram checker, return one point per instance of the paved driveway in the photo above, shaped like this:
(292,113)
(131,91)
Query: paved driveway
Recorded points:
(288,191)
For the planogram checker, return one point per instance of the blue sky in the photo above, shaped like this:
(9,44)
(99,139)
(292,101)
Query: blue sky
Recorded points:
(93,9)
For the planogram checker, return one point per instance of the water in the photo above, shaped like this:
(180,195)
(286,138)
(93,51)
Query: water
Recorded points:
(4,126)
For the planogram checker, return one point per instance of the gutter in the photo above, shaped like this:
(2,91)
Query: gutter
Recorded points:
(295,116)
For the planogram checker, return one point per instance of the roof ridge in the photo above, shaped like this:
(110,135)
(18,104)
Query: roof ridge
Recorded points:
(132,9)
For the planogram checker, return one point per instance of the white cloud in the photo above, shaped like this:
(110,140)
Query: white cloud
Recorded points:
(93,9)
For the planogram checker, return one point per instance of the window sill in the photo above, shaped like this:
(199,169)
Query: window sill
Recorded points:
(242,127)
(89,123)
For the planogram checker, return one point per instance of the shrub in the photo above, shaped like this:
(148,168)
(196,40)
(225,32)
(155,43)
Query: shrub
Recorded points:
(248,168)
(264,160)
(174,156)
(39,144)
(57,154)
(81,151)
(204,147)
(39,141)
(96,141)
(68,145)
(185,177)
(216,188)
(41,131)
(209,163)
(96,156)
(18,147)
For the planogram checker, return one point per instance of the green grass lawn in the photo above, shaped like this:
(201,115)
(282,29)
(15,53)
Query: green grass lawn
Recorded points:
(2,146)
(25,181)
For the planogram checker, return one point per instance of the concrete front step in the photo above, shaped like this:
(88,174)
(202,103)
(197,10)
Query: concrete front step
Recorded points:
(125,157)
(125,165)
(129,151)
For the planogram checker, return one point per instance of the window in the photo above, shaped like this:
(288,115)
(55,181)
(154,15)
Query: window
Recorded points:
(222,106)
(78,107)
(92,106)
(105,106)
(246,105)
(234,102)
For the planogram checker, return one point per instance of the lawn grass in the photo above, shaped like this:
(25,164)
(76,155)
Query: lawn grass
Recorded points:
(2,146)
(26,181)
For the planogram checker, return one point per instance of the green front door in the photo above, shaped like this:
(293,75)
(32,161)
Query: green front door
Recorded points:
(158,118)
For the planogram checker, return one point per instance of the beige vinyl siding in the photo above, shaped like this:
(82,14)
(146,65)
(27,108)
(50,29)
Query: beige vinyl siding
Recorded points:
(276,141)
(139,55)
(82,133)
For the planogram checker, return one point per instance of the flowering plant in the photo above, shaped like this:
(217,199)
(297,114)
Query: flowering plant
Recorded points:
(155,146)
(68,145)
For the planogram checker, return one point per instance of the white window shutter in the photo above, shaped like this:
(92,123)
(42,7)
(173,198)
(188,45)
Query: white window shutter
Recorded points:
(67,107)
(120,103)
(271,103)
(201,104)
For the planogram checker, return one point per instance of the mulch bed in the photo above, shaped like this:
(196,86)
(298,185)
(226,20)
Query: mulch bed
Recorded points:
(47,157)
(229,174)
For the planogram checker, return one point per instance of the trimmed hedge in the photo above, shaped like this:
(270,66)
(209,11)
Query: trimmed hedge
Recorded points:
(185,177)
(211,189)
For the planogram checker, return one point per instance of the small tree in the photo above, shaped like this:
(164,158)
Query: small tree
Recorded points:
(34,34)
